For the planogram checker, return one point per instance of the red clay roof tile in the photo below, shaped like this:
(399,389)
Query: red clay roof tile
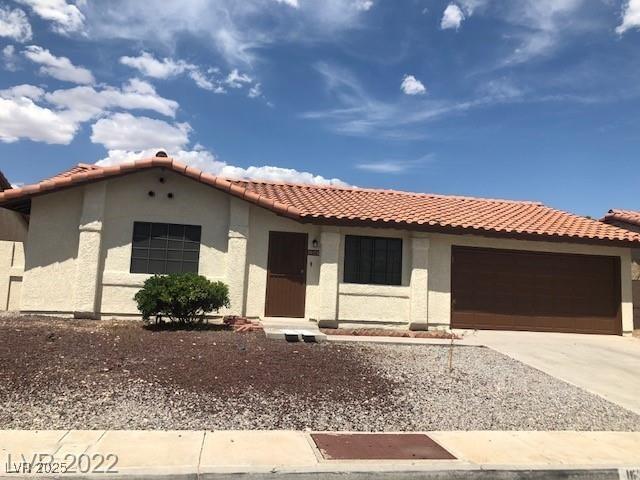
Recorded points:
(626,216)
(362,206)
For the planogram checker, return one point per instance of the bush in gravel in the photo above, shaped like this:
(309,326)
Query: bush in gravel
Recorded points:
(182,298)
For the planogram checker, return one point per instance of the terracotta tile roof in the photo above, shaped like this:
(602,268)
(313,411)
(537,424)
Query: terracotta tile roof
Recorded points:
(626,216)
(360,206)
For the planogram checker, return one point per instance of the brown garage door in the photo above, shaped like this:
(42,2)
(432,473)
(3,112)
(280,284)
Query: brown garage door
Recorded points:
(521,290)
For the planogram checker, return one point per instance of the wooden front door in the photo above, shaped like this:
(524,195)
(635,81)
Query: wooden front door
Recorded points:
(286,274)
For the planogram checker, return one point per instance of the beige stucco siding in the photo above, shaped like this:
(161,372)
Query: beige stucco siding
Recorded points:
(94,223)
(51,251)
(11,272)
(128,201)
(12,226)
(260,223)
(375,303)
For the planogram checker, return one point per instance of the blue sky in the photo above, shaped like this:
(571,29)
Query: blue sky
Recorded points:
(527,99)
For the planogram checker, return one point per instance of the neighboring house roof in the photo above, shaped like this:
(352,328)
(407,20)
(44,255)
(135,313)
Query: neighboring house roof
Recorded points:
(363,207)
(625,216)
(4,183)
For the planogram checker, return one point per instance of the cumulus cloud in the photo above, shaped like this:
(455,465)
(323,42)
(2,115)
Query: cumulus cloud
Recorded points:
(84,103)
(630,16)
(207,162)
(14,24)
(150,66)
(21,117)
(65,17)
(58,67)
(452,17)
(9,58)
(54,117)
(123,131)
(412,86)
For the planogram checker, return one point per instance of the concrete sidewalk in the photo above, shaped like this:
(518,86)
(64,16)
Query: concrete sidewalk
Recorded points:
(266,454)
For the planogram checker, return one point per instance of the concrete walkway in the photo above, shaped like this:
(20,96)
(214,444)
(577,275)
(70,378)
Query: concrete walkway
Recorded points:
(195,454)
(606,365)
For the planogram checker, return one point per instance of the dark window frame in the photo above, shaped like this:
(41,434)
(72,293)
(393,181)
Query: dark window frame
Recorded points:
(162,248)
(373,260)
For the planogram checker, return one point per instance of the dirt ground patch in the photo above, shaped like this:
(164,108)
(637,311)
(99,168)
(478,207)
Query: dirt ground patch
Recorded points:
(58,374)
(42,353)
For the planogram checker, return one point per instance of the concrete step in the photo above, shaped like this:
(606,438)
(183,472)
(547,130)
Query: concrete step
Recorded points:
(292,330)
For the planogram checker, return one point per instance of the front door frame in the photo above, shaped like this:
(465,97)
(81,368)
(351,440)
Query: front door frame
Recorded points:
(268,309)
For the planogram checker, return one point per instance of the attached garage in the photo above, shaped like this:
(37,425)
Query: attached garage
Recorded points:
(536,291)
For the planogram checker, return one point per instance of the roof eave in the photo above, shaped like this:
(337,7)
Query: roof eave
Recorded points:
(449,230)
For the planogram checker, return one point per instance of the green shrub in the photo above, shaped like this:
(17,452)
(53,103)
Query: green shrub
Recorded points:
(184,298)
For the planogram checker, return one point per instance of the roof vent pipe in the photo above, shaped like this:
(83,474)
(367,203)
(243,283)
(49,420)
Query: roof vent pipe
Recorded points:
(161,154)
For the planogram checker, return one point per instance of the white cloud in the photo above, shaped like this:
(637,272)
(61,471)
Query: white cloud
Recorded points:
(85,103)
(236,79)
(236,29)
(25,90)
(58,67)
(255,91)
(207,162)
(394,166)
(14,24)
(364,5)
(412,86)
(452,17)
(27,111)
(630,16)
(542,25)
(291,3)
(9,58)
(383,167)
(123,131)
(20,117)
(358,113)
(66,17)
(150,66)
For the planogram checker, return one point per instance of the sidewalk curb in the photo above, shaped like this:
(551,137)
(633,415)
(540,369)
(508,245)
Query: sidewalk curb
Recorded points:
(453,474)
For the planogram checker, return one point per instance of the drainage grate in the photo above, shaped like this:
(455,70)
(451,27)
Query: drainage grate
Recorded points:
(379,446)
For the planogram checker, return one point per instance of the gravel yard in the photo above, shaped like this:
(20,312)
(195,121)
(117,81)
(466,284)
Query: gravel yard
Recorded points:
(58,374)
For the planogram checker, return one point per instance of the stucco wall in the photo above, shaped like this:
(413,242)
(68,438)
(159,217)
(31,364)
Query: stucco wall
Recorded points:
(51,251)
(13,233)
(262,221)
(12,226)
(128,200)
(63,226)
(11,272)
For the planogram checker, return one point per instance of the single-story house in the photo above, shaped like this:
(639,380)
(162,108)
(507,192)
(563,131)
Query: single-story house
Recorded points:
(629,220)
(330,254)
(13,233)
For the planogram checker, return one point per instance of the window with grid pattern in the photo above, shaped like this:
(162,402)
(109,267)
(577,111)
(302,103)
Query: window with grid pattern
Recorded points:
(165,248)
(373,260)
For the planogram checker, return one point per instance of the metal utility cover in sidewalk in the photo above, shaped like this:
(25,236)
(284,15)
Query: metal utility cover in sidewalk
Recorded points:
(379,446)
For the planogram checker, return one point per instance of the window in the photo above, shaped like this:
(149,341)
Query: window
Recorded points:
(373,260)
(165,248)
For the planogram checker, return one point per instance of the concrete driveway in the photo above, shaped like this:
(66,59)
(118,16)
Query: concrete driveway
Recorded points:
(606,365)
